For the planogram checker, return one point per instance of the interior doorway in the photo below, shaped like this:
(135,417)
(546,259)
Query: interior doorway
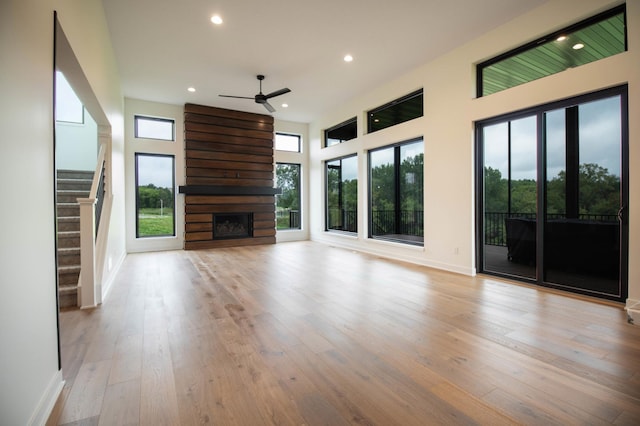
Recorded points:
(77,141)
(553,195)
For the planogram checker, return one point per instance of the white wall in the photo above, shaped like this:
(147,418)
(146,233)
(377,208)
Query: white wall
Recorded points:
(447,127)
(301,158)
(149,146)
(28,332)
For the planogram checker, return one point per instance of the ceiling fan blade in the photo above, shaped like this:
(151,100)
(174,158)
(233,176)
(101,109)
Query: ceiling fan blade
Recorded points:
(237,97)
(278,93)
(268,106)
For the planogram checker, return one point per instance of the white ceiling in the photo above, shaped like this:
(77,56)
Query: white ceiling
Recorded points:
(165,46)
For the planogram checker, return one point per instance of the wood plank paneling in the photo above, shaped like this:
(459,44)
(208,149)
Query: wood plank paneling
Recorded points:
(226,148)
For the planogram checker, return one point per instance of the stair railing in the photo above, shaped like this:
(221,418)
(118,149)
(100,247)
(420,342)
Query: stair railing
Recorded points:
(90,213)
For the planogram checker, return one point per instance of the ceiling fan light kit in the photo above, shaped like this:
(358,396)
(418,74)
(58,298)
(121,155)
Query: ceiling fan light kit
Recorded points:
(261,98)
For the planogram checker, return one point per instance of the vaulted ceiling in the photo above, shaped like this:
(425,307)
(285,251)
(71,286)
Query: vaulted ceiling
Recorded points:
(163,47)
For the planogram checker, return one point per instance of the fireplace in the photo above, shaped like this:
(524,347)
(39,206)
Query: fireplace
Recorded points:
(232,225)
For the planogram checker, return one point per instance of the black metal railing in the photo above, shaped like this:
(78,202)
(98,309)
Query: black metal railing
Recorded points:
(100,196)
(403,222)
(342,220)
(495,231)
(288,219)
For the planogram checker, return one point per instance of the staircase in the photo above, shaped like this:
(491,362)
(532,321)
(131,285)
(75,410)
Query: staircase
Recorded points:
(71,184)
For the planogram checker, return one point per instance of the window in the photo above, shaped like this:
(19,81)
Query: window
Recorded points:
(287,142)
(342,194)
(341,132)
(68,107)
(155,195)
(398,111)
(396,176)
(154,128)
(288,203)
(590,40)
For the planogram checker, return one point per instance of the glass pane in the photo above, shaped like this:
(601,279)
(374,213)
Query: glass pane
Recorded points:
(411,192)
(582,247)
(341,133)
(383,192)
(496,195)
(555,136)
(286,142)
(154,128)
(587,44)
(510,197)
(342,194)
(396,112)
(155,195)
(288,203)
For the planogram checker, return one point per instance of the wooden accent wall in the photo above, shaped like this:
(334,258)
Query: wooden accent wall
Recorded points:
(225,148)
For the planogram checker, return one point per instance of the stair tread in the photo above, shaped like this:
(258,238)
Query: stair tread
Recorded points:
(69,219)
(66,289)
(67,250)
(69,268)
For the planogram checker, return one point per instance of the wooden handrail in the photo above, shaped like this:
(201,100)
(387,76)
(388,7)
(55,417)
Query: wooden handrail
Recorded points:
(89,217)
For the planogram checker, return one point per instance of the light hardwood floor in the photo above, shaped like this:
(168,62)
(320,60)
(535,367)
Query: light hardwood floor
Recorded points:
(303,333)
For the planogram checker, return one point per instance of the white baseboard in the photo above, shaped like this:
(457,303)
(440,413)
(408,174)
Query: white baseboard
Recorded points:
(633,311)
(411,254)
(105,288)
(48,401)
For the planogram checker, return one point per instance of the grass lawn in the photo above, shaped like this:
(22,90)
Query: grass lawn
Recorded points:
(152,224)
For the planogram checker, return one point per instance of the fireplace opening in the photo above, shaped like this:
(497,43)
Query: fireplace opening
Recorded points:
(232,225)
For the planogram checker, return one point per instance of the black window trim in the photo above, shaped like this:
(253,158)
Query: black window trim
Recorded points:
(173,186)
(290,134)
(337,126)
(326,194)
(146,117)
(414,94)
(396,156)
(549,37)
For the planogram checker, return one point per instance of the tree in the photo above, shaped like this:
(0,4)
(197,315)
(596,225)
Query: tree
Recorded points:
(288,180)
(149,196)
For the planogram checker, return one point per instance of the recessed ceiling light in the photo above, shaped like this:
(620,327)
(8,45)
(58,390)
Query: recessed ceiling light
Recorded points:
(578,46)
(348,58)
(216,19)
(561,38)
(285,105)
(191,89)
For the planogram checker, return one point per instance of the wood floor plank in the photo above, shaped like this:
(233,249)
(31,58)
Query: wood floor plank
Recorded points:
(158,398)
(121,404)
(304,333)
(85,399)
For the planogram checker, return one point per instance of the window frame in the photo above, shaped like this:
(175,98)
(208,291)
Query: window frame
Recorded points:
(397,193)
(299,222)
(549,38)
(136,134)
(287,134)
(353,120)
(394,103)
(137,155)
(326,201)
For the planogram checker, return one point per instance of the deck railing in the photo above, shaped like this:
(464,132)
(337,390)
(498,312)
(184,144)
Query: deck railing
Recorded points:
(495,233)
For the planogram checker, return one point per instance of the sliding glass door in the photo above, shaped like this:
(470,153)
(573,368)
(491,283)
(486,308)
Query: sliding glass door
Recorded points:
(552,195)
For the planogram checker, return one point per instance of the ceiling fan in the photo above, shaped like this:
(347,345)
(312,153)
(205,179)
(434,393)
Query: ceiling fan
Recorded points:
(261,98)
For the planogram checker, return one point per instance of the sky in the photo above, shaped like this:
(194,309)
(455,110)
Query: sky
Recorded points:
(599,133)
(155,169)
